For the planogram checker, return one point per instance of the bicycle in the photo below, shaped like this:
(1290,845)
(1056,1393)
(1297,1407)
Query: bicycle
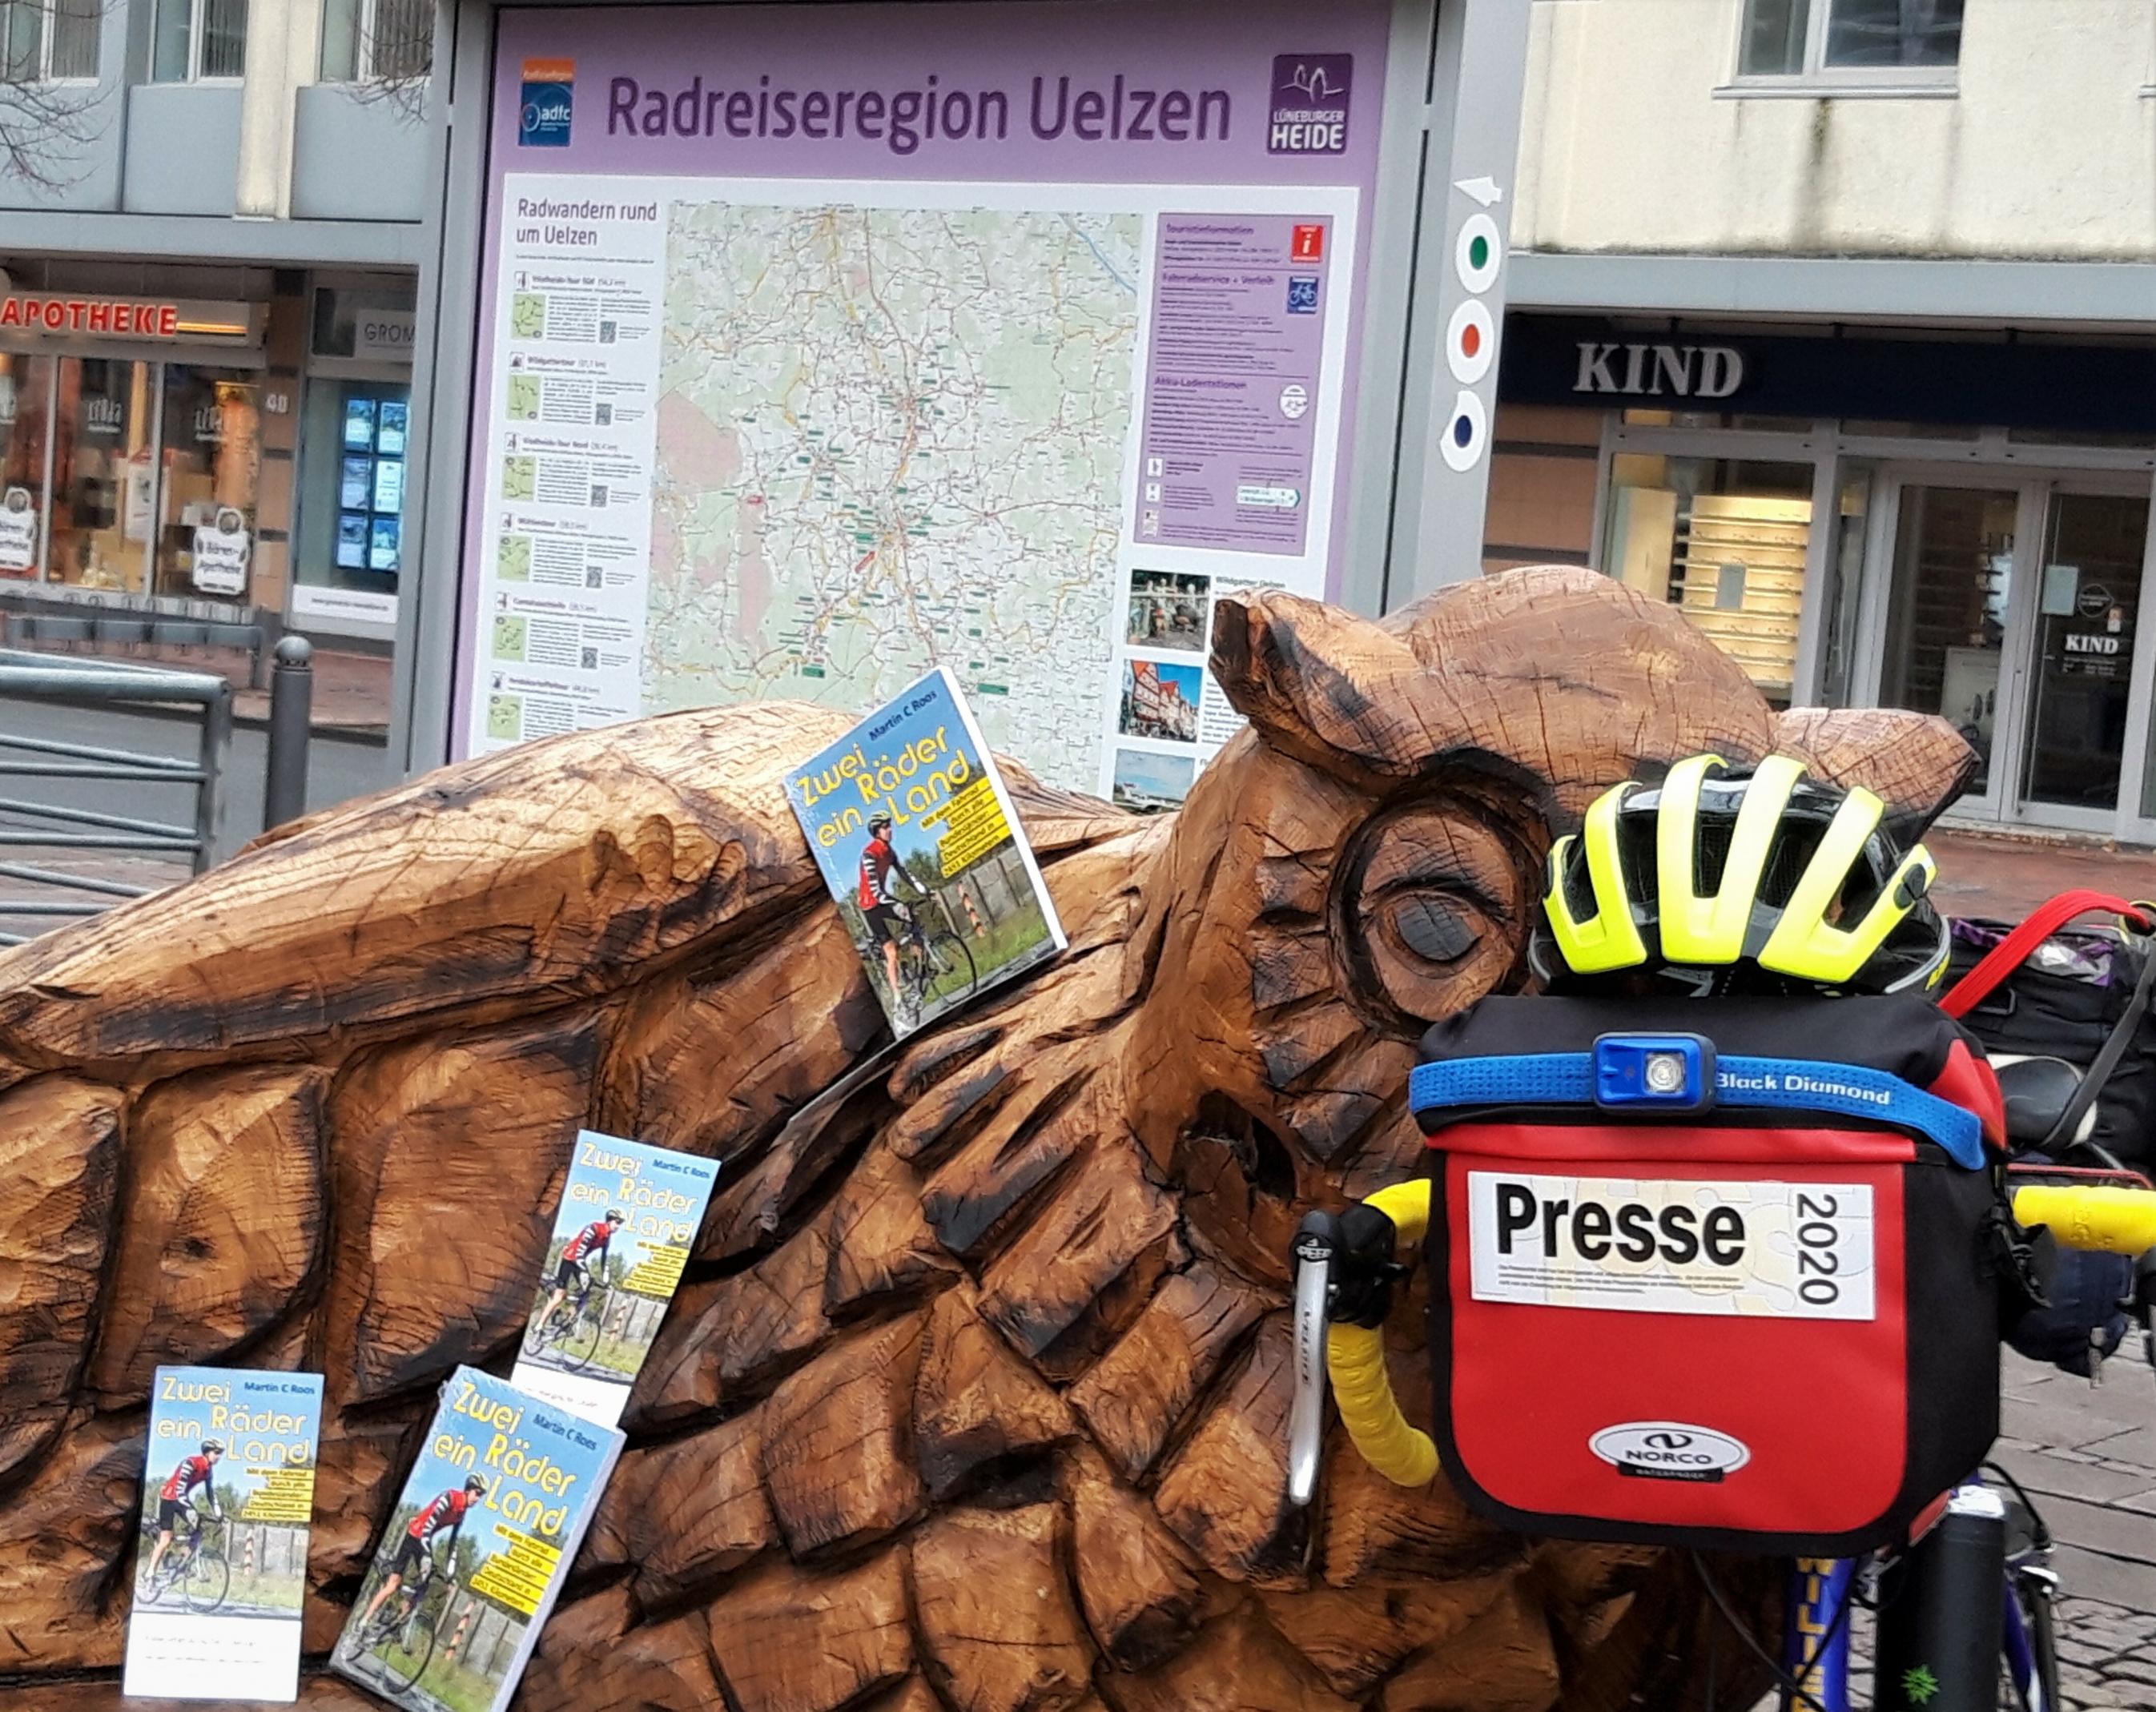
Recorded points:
(1967,1603)
(927,963)
(575,1327)
(195,1564)
(402,1634)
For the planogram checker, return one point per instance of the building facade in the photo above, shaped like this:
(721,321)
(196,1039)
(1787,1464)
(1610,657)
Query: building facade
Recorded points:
(1845,343)
(1845,340)
(211,216)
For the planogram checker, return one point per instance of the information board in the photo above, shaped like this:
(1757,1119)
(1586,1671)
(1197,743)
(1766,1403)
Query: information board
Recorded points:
(1006,339)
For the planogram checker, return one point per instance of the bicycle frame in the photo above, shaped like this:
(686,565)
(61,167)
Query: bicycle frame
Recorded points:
(1819,1589)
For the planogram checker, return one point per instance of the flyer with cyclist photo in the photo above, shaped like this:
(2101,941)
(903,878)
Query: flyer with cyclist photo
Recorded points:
(221,1563)
(924,854)
(628,1217)
(476,1549)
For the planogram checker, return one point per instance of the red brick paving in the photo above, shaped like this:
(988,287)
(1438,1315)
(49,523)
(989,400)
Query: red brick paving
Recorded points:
(2006,875)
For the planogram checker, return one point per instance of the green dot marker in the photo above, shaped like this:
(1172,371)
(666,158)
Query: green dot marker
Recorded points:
(1478,252)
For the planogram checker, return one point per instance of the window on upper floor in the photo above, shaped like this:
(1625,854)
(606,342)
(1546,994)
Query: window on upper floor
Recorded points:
(194,40)
(49,41)
(378,41)
(1850,40)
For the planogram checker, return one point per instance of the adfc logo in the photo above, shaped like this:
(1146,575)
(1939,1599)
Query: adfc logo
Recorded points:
(549,90)
(1309,104)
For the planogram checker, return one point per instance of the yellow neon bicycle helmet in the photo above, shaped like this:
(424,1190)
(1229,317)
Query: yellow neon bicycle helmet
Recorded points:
(1719,870)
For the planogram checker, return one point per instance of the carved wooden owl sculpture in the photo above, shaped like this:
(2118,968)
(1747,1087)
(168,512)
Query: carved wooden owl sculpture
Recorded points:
(977,1396)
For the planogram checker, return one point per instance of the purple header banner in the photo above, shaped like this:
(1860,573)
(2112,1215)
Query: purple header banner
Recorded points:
(1122,93)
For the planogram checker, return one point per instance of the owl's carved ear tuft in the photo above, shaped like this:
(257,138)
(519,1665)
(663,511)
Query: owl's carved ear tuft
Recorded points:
(1311,678)
(1917,764)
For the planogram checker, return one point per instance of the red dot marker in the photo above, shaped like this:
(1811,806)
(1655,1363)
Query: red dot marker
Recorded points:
(1470,339)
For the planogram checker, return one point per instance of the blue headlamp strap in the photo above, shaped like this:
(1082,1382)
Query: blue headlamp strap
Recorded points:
(1786,1084)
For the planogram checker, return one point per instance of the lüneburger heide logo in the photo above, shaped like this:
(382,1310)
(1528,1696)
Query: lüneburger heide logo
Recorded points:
(1309,104)
(1670,1450)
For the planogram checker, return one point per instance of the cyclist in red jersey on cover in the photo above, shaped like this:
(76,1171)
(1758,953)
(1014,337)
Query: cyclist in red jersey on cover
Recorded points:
(584,1249)
(446,1513)
(172,1496)
(885,910)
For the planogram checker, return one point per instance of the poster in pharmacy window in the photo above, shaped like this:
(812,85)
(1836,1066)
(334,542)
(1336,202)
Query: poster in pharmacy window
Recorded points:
(1002,338)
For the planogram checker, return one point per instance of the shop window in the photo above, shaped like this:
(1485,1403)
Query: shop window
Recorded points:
(1724,539)
(212,459)
(2132,440)
(1839,610)
(104,479)
(1948,608)
(26,384)
(353,446)
(194,40)
(378,41)
(49,41)
(1831,38)
(1744,423)
(374,324)
(1867,428)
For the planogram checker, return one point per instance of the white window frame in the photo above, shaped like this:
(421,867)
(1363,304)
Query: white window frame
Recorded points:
(47,35)
(197,10)
(365,70)
(1818,78)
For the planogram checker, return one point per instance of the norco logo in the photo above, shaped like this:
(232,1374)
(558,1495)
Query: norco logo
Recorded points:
(1659,371)
(1633,1230)
(1670,1450)
(1796,1082)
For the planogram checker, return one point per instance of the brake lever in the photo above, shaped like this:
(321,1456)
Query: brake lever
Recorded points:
(1317,1242)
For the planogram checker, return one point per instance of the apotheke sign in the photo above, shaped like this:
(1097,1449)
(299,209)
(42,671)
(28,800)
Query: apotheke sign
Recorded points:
(65,315)
(1646,371)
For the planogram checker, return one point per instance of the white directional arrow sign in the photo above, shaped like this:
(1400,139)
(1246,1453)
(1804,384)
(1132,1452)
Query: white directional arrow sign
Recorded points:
(1483,189)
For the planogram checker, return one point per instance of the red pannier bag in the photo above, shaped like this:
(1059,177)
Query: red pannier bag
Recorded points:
(1711,1274)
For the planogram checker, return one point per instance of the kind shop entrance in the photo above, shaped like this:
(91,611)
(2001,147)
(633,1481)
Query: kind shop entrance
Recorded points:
(2012,606)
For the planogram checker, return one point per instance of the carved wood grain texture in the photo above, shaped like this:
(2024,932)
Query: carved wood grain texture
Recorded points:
(975,1396)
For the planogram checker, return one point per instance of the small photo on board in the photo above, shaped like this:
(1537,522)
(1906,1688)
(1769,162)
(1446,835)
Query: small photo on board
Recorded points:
(511,637)
(524,398)
(1151,783)
(1169,609)
(1160,700)
(527,315)
(520,478)
(512,558)
(505,718)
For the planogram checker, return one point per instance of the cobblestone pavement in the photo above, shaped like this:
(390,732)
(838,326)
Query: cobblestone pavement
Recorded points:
(2087,1455)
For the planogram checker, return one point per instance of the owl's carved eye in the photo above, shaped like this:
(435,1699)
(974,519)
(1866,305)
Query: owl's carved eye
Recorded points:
(1434,907)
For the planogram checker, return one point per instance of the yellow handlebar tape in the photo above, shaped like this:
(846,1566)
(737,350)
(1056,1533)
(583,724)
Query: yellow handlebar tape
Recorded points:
(1355,1358)
(1407,1205)
(2111,1221)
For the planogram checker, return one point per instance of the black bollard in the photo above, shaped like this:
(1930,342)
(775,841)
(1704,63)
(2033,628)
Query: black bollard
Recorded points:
(291,719)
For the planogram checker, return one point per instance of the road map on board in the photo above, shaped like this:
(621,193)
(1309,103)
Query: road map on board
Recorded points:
(755,441)
(888,437)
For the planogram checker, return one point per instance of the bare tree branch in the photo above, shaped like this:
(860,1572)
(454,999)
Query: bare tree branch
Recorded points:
(393,55)
(47,125)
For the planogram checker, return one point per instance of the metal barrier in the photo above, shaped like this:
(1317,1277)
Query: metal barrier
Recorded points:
(103,684)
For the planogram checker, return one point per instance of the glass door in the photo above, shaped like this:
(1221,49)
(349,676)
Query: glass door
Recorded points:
(2080,652)
(1950,612)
